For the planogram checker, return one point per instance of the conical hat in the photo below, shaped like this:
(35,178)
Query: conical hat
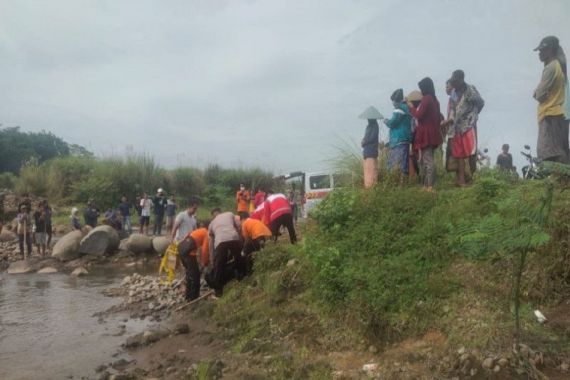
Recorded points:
(371,113)
(414,96)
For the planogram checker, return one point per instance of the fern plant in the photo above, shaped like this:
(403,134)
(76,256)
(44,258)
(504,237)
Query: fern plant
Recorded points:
(516,229)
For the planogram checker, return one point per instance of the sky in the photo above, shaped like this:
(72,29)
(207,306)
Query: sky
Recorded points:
(274,84)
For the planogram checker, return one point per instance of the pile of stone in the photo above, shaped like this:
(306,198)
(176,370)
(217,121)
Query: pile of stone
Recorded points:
(151,293)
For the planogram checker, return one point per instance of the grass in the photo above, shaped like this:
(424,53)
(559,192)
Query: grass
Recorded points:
(379,267)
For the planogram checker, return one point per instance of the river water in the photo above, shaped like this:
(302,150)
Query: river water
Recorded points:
(47,327)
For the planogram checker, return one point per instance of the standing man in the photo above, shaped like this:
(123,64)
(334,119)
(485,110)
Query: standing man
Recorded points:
(242,198)
(467,106)
(159,202)
(40,236)
(552,127)
(91,214)
(447,128)
(145,205)
(185,222)
(224,242)
(49,227)
(170,213)
(125,210)
(24,231)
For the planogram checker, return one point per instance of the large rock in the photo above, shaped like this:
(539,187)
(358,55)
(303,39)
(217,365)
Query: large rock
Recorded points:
(78,272)
(47,270)
(7,235)
(19,267)
(67,248)
(159,244)
(138,243)
(100,240)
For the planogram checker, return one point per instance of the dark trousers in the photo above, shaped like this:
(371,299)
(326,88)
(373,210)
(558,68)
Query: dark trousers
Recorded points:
(185,248)
(287,221)
(49,231)
(249,247)
(221,273)
(28,244)
(158,224)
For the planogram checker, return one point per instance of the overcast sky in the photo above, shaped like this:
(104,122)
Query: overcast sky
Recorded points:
(260,83)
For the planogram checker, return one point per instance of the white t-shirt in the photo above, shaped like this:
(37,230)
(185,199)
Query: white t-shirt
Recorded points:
(145,204)
(186,223)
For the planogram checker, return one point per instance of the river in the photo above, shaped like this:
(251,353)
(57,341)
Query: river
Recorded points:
(47,327)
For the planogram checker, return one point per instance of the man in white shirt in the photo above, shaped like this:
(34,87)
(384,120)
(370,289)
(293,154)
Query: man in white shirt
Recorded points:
(145,204)
(185,222)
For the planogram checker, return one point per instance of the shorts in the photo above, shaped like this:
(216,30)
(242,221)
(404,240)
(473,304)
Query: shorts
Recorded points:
(464,145)
(145,220)
(41,238)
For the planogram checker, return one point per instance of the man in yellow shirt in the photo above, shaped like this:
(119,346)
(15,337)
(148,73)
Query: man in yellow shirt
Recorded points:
(552,127)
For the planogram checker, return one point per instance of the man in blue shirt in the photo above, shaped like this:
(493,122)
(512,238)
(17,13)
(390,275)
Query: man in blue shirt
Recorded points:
(125,210)
(159,202)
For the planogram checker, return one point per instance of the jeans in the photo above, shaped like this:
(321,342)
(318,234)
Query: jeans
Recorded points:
(158,224)
(399,155)
(287,221)
(428,166)
(127,224)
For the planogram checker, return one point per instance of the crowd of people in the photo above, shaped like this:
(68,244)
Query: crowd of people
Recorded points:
(222,248)
(417,126)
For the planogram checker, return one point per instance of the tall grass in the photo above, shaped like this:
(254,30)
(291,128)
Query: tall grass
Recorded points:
(67,180)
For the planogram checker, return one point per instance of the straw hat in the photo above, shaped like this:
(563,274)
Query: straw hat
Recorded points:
(414,96)
(371,113)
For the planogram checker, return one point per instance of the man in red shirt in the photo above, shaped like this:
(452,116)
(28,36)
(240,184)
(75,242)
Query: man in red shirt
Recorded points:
(276,212)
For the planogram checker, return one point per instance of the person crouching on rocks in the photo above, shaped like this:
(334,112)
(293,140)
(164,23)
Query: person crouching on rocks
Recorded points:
(75,224)
(188,251)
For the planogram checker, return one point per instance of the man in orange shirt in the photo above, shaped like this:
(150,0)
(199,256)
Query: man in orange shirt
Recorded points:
(254,233)
(188,250)
(242,198)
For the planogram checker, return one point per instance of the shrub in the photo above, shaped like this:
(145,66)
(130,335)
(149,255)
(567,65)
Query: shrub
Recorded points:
(7,180)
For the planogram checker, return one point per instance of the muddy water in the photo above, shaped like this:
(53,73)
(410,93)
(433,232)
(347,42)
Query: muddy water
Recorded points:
(47,328)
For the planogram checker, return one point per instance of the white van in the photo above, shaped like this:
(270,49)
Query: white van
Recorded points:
(317,186)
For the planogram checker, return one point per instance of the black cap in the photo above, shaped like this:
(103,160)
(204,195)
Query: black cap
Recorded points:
(548,42)
(397,96)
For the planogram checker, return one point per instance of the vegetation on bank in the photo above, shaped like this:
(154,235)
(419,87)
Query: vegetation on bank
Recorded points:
(74,180)
(380,266)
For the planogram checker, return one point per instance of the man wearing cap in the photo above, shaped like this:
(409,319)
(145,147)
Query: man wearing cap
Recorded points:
(159,202)
(552,127)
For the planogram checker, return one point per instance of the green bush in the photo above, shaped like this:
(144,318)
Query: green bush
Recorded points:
(7,180)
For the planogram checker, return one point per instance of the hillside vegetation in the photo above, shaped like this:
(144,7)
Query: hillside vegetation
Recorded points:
(420,283)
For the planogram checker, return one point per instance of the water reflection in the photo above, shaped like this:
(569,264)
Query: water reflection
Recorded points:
(51,317)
